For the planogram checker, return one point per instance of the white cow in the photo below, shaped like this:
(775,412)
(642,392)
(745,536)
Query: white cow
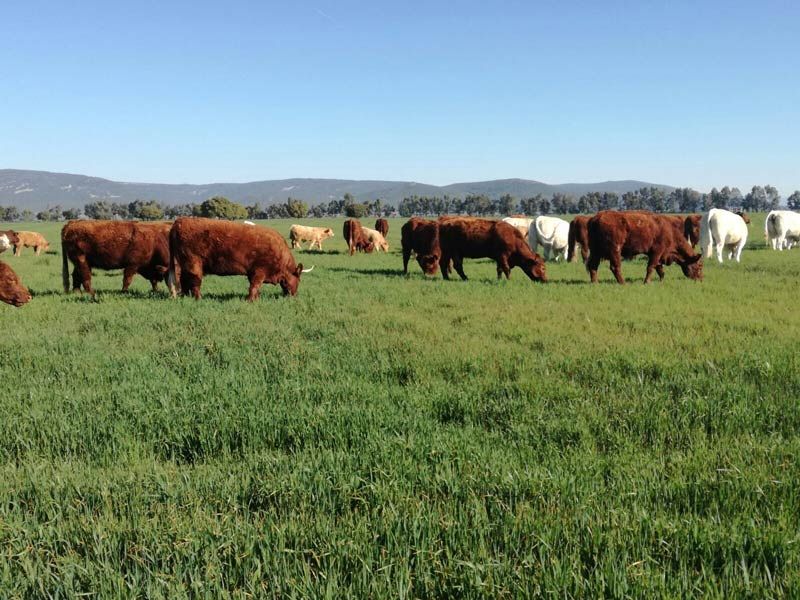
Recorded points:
(523,224)
(552,233)
(376,237)
(5,244)
(782,229)
(720,229)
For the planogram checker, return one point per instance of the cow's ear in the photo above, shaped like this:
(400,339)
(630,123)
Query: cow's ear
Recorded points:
(694,259)
(299,269)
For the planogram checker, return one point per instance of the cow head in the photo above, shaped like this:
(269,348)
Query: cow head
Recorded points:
(328,232)
(291,280)
(692,267)
(429,263)
(744,216)
(11,289)
(534,268)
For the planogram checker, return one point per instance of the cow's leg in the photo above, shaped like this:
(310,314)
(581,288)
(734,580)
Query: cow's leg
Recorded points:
(616,268)
(85,271)
(718,249)
(127,277)
(660,271)
(739,249)
(780,242)
(17,250)
(256,280)
(458,263)
(191,279)
(591,265)
(652,264)
(546,252)
(503,268)
(406,257)
(444,266)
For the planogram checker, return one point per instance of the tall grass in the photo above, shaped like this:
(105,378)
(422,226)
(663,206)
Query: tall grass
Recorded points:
(381,435)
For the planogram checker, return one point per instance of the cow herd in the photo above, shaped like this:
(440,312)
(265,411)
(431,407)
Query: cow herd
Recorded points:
(184,251)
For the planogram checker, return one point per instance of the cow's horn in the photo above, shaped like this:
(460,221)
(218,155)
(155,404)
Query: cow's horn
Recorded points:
(308,270)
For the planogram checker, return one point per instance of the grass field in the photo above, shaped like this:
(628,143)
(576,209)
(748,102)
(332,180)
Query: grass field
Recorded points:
(389,436)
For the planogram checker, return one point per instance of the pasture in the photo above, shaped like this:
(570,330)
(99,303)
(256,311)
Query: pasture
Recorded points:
(389,436)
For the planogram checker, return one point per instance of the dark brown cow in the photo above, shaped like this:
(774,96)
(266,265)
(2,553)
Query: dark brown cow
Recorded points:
(382,225)
(691,229)
(355,238)
(11,289)
(210,247)
(744,216)
(578,234)
(421,236)
(461,238)
(134,246)
(616,235)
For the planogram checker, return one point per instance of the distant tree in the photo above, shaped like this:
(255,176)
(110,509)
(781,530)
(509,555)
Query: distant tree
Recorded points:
(119,210)
(98,210)
(71,214)
(52,213)
(10,213)
(355,211)
(296,209)
(318,210)
(27,214)
(507,205)
(179,210)
(145,211)
(773,197)
(756,199)
(219,207)
(793,201)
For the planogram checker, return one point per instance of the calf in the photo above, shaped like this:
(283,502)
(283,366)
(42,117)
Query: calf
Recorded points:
(11,289)
(461,238)
(315,235)
(30,239)
(202,247)
(421,237)
(578,236)
(375,238)
(135,247)
(616,235)
(382,225)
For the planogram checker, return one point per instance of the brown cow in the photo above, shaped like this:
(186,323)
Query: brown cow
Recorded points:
(578,234)
(461,238)
(11,289)
(210,247)
(8,239)
(691,229)
(382,225)
(355,238)
(30,239)
(134,246)
(616,235)
(421,236)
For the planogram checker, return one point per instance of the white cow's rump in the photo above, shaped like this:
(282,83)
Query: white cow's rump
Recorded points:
(376,237)
(720,229)
(300,233)
(523,224)
(552,233)
(4,243)
(782,229)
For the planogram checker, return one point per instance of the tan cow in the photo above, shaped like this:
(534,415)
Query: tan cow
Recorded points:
(375,237)
(31,239)
(300,233)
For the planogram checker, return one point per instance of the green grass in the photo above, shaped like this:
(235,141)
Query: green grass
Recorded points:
(389,436)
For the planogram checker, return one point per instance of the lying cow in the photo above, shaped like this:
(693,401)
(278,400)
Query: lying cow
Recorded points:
(720,229)
(782,229)
(382,225)
(522,224)
(578,236)
(134,246)
(375,238)
(11,289)
(552,233)
(315,235)
(8,239)
(461,238)
(30,239)
(421,237)
(202,247)
(616,235)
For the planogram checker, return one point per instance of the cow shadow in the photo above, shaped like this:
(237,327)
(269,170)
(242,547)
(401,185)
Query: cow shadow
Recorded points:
(318,252)
(370,272)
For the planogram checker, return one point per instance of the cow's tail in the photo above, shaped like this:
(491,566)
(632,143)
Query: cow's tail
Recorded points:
(571,242)
(172,280)
(64,267)
(770,229)
(706,246)
(350,238)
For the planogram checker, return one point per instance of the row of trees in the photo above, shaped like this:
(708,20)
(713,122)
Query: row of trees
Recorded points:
(648,198)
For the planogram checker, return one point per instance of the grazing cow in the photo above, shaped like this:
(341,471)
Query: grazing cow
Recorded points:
(720,229)
(315,235)
(552,233)
(375,238)
(782,229)
(578,236)
(421,236)
(30,239)
(461,238)
(382,225)
(134,246)
(200,247)
(522,224)
(355,238)
(8,239)
(11,289)
(616,235)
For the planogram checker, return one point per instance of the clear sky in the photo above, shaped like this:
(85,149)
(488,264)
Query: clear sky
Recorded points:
(700,93)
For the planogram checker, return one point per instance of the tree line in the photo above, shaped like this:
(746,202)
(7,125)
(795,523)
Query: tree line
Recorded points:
(647,198)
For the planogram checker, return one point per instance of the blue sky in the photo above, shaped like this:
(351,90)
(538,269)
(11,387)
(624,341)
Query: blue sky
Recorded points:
(685,93)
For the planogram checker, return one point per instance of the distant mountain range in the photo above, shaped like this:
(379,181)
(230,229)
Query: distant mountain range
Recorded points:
(36,190)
